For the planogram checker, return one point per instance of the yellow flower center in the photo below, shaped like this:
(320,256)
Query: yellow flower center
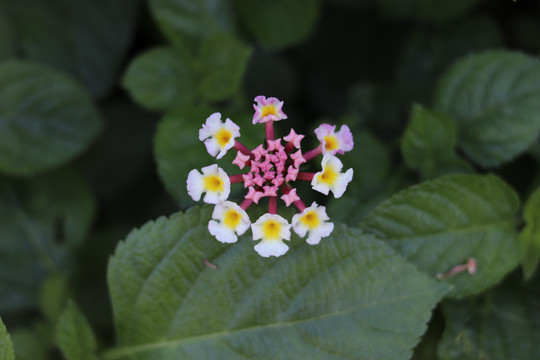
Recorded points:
(331,142)
(271,230)
(232,218)
(329,176)
(223,137)
(268,110)
(213,183)
(310,219)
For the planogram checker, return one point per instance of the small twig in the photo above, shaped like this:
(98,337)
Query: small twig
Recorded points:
(210,265)
(470,267)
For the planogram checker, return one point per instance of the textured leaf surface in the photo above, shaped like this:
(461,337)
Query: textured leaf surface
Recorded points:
(6,347)
(74,335)
(160,79)
(428,144)
(85,38)
(530,235)
(441,223)
(184,20)
(46,119)
(40,221)
(493,99)
(504,324)
(349,297)
(223,60)
(280,23)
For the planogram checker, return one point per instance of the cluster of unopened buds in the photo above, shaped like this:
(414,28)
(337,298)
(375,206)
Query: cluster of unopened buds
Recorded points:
(273,168)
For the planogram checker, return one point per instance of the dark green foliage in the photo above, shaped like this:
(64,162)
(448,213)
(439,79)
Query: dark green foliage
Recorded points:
(103,254)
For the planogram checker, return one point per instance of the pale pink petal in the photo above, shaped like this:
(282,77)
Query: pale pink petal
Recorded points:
(290,198)
(294,138)
(240,160)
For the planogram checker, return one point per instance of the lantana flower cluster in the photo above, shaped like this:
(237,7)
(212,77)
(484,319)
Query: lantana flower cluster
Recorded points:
(270,170)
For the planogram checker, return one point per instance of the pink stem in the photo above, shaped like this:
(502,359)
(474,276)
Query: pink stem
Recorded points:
(240,147)
(289,147)
(238,178)
(246,203)
(270,130)
(272,204)
(300,205)
(470,266)
(307,176)
(312,153)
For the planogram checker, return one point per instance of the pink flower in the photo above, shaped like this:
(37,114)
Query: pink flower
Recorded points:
(273,168)
(334,142)
(268,110)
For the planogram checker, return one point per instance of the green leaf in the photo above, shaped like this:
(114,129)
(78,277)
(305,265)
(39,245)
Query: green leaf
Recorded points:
(530,235)
(160,79)
(492,98)
(53,296)
(442,223)
(342,298)
(46,119)
(426,54)
(33,343)
(6,347)
(183,21)
(223,62)
(74,335)
(85,38)
(428,144)
(431,10)
(504,324)
(42,220)
(279,24)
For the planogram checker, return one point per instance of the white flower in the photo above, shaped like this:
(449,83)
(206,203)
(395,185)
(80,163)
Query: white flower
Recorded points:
(219,135)
(233,221)
(331,178)
(213,180)
(312,219)
(272,229)
(334,142)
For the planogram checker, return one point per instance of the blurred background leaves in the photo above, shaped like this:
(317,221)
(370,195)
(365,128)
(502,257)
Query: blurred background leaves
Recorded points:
(101,100)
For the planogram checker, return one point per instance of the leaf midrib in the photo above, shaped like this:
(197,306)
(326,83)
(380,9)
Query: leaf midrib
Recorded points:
(118,353)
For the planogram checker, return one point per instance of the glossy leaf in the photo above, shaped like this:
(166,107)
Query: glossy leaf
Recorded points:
(344,298)
(41,221)
(280,23)
(442,223)
(46,119)
(6,347)
(503,324)
(492,98)
(530,235)
(223,62)
(161,78)
(85,38)
(183,21)
(428,144)
(74,335)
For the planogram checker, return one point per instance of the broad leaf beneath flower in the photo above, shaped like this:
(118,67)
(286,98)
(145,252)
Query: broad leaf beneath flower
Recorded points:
(350,296)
